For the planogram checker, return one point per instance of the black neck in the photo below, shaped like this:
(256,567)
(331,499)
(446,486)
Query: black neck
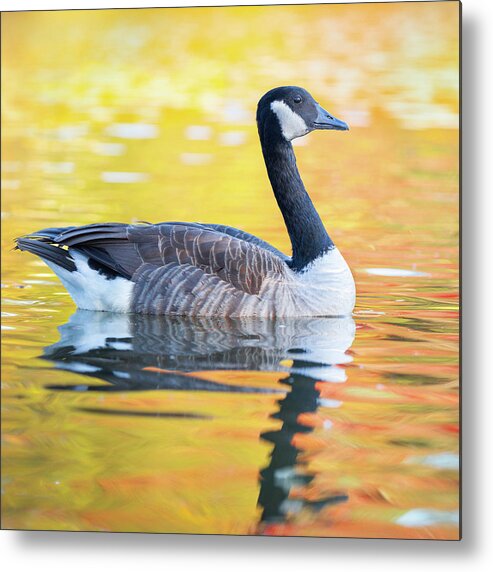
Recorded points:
(309,239)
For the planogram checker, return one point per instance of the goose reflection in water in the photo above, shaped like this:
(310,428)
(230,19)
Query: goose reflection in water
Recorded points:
(136,353)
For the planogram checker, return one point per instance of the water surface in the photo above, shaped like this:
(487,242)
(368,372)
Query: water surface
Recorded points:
(291,427)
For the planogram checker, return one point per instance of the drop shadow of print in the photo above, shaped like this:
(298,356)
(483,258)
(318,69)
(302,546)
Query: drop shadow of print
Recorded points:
(231,545)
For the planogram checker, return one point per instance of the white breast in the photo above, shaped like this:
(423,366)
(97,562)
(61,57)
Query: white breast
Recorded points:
(325,288)
(329,284)
(331,268)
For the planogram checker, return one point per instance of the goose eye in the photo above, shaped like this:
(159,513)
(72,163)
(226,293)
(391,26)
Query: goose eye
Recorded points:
(297,99)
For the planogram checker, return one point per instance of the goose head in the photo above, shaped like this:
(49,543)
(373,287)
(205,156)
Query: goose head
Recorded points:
(296,113)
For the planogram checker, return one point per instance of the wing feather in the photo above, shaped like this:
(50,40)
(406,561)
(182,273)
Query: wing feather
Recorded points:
(178,268)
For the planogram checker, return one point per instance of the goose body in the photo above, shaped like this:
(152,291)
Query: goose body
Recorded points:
(199,269)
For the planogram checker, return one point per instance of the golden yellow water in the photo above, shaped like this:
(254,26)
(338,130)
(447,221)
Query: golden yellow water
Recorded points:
(123,423)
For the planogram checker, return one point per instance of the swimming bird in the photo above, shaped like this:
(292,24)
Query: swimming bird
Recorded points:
(201,269)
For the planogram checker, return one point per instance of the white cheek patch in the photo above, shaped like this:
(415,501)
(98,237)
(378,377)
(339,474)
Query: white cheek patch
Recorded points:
(292,124)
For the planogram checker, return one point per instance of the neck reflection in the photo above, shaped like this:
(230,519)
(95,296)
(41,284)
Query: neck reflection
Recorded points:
(286,471)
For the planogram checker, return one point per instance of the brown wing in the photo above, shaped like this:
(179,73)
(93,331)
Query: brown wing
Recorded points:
(242,264)
(178,267)
(246,236)
(236,233)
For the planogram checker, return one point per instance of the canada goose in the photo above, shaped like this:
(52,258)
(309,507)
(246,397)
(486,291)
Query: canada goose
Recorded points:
(197,269)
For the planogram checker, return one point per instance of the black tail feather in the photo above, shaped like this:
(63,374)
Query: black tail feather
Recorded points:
(55,254)
(49,233)
(56,244)
(93,234)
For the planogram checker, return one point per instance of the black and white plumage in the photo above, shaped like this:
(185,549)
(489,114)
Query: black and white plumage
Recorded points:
(197,269)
